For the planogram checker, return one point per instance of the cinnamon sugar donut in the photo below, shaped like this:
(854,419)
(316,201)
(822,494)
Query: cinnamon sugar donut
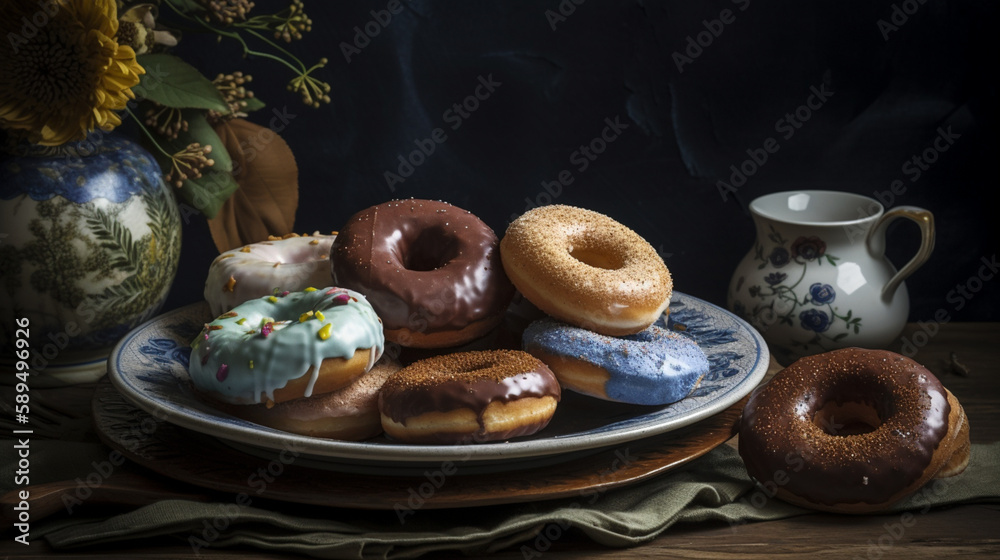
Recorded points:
(852,431)
(469,397)
(586,269)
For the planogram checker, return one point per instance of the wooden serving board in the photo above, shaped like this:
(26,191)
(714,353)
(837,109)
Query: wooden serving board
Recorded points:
(207,462)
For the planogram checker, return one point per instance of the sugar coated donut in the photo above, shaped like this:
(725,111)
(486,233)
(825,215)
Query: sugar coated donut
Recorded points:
(431,270)
(287,264)
(852,431)
(350,413)
(586,269)
(469,397)
(653,367)
(279,348)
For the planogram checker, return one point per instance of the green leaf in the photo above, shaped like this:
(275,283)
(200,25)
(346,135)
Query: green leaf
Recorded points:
(202,132)
(174,83)
(208,192)
(253,104)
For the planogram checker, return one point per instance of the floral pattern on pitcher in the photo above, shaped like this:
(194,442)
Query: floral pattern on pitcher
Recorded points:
(781,298)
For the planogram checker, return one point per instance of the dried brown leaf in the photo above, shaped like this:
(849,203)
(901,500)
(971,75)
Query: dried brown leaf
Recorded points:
(265,203)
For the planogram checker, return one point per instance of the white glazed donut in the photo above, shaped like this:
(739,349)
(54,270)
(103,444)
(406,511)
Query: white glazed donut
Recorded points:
(271,267)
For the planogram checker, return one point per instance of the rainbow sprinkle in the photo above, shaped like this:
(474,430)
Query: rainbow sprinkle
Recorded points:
(267,329)
(324,333)
(223,372)
(342,299)
(241,321)
(309,289)
(320,316)
(272,299)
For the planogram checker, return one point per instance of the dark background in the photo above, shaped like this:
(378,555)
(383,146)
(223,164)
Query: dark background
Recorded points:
(892,88)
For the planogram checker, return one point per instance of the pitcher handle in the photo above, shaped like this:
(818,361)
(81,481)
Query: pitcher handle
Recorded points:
(876,242)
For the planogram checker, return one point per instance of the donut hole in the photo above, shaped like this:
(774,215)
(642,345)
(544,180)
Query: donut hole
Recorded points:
(847,418)
(431,249)
(596,258)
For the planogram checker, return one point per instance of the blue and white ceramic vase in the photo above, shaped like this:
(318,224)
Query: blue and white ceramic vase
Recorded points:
(90,237)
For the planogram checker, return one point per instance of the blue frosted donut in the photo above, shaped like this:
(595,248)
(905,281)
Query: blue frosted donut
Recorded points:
(279,348)
(653,367)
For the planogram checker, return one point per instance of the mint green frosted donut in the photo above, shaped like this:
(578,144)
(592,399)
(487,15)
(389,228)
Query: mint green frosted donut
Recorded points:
(264,343)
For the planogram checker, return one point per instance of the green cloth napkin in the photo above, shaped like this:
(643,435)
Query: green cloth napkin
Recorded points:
(713,488)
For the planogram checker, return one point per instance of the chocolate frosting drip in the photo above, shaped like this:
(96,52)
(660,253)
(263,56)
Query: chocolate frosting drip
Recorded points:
(781,442)
(424,265)
(469,380)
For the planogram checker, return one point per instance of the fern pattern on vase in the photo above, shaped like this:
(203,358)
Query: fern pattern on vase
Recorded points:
(89,245)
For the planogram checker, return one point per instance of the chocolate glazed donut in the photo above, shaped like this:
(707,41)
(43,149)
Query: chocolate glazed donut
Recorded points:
(431,271)
(852,431)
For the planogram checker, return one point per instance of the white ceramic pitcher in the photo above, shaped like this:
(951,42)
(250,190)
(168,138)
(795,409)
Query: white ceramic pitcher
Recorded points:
(817,278)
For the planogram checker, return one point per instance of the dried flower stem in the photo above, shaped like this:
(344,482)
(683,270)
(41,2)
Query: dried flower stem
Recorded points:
(188,163)
(313,91)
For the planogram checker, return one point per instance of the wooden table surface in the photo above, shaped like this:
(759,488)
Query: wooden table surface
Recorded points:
(969,530)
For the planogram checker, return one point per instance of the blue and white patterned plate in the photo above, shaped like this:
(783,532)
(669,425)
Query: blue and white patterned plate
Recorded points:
(149,368)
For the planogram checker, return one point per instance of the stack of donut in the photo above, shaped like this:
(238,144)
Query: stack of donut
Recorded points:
(603,287)
(423,274)
(427,275)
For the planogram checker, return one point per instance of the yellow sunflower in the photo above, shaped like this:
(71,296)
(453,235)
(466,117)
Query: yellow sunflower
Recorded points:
(62,71)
